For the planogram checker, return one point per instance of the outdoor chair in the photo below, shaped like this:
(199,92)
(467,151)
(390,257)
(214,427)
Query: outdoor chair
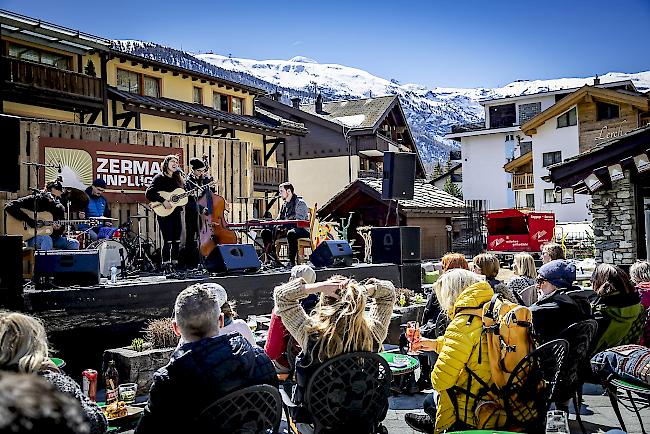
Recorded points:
(637,329)
(634,397)
(441,324)
(527,395)
(348,393)
(282,245)
(252,410)
(569,384)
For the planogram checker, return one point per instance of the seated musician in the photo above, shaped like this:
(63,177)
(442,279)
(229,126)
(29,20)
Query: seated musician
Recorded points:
(97,207)
(293,208)
(46,200)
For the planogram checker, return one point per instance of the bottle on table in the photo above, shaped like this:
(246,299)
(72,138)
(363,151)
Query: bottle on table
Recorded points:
(111,381)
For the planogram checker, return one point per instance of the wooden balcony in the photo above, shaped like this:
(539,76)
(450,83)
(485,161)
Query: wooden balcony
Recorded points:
(523,181)
(37,84)
(268,178)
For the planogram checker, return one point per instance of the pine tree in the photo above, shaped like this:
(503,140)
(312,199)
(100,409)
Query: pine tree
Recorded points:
(90,68)
(452,188)
(437,171)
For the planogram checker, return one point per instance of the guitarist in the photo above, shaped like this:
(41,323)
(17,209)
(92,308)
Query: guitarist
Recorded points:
(170,226)
(197,178)
(45,200)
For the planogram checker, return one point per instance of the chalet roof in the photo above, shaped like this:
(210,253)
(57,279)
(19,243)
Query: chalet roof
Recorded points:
(426,196)
(200,113)
(355,113)
(280,120)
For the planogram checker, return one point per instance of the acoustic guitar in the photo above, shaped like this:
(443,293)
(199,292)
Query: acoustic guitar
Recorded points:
(44,223)
(176,198)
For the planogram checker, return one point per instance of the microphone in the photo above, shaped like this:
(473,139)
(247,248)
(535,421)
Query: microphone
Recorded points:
(58,166)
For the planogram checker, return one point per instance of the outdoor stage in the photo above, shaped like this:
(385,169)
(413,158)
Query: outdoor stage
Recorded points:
(83,322)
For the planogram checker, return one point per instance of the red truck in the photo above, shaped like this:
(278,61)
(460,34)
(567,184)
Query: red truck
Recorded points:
(511,231)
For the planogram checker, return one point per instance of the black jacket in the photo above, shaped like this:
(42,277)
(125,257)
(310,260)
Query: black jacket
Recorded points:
(554,313)
(160,183)
(44,202)
(198,374)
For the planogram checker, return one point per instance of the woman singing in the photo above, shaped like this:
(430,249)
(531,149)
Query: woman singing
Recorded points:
(171,226)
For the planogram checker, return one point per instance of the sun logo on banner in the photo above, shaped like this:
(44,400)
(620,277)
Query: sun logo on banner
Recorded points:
(76,167)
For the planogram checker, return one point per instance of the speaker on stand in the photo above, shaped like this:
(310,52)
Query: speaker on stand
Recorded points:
(332,253)
(233,258)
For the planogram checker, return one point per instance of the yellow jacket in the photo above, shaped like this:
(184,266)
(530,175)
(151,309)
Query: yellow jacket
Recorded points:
(459,347)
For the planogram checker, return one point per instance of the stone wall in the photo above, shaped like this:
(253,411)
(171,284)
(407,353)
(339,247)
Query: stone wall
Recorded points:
(614,220)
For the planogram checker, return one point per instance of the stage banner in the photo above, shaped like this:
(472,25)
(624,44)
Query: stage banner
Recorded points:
(127,169)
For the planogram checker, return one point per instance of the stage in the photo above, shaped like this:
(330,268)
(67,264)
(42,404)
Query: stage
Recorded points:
(82,322)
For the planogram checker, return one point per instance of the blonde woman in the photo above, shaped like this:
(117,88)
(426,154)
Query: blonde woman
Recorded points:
(524,282)
(461,347)
(337,324)
(23,349)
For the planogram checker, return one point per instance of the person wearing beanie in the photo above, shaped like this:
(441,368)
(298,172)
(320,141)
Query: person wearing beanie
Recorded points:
(555,308)
(196,178)
(97,207)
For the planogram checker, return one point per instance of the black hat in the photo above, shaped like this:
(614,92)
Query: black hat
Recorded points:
(196,164)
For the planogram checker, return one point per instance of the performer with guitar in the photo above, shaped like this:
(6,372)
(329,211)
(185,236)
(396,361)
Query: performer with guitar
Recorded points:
(47,201)
(170,225)
(197,178)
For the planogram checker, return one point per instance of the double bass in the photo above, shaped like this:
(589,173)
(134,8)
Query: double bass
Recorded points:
(213,226)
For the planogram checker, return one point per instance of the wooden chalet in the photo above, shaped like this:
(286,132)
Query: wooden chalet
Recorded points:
(431,209)
(346,140)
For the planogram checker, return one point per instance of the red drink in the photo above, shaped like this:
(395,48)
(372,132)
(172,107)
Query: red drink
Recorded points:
(412,334)
(89,383)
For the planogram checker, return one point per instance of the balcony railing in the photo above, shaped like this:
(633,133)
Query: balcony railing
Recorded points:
(370,174)
(523,181)
(465,128)
(43,77)
(268,178)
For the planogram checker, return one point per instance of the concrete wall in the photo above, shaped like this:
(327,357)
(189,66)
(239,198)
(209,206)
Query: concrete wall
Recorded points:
(318,180)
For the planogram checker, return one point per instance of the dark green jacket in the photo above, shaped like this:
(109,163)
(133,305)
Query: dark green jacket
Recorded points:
(615,315)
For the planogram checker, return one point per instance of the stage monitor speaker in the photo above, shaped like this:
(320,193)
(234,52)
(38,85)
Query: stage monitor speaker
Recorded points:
(332,253)
(233,257)
(11,271)
(66,267)
(395,244)
(399,176)
(10,173)
(411,276)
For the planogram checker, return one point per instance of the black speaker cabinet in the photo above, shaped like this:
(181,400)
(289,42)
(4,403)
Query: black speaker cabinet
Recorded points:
(66,267)
(11,271)
(332,253)
(411,276)
(395,244)
(399,175)
(10,173)
(233,257)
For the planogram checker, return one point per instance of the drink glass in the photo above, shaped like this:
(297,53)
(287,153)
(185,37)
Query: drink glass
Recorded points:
(126,392)
(252,323)
(412,335)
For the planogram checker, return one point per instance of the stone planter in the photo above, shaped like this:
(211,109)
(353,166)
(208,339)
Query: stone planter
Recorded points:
(137,366)
(402,315)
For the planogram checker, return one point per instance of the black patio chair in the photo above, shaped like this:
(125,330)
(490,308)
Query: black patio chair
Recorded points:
(576,363)
(252,410)
(349,393)
(634,397)
(527,395)
(441,324)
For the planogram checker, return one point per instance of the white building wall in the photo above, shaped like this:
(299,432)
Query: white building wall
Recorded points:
(549,138)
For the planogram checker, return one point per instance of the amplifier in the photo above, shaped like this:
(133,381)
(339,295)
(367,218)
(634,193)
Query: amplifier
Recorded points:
(332,253)
(395,244)
(66,267)
(233,257)
(411,276)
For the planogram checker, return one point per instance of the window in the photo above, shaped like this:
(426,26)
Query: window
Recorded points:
(151,86)
(40,56)
(567,119)
(197,96)
(529,111)
(530,200)
(237,106)
(257,157)
(133,82)
(606,111)
(227,103)
(525,147)
(220,102)
(504,115)
(549,158)
(549,195)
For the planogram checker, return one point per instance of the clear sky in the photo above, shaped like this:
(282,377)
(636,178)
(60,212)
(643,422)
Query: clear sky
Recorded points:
(455,43)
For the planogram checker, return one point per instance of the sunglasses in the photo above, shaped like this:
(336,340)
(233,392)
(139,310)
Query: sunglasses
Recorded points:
(540,280)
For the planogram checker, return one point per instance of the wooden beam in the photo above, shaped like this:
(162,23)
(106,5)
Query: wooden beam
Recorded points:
(270,152)
(155,69)
(175,74)
(94,116)
(134,63)
(103,62)
(203,80)
(184,75)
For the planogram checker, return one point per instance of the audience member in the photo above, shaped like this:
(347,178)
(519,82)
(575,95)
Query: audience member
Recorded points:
(461,348)
(24,349)
(337,324)
(29,404)
(230,322)
(277,338)
(523,284)
(205,367)
(488,265)
(552,252)
(616,307)
(640,275)
(555,309)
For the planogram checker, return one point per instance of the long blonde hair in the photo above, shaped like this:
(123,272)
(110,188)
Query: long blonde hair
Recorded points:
(451,284)
(340,324)
(525,265)
(23,343)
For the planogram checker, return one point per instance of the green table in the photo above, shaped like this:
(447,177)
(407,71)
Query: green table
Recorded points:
(412,363)
(59,363)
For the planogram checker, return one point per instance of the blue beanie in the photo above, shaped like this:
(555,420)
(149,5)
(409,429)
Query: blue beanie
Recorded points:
(560,273)
(99,182)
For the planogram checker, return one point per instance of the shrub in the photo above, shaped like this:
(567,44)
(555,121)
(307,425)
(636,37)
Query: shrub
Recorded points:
(160,334)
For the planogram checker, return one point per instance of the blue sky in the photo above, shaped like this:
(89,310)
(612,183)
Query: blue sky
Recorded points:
(456,43)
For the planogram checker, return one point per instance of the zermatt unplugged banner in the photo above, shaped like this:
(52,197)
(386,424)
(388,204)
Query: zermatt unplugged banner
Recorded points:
(127,169)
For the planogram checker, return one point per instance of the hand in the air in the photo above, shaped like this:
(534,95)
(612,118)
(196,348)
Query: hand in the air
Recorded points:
(82,215)
(167,204)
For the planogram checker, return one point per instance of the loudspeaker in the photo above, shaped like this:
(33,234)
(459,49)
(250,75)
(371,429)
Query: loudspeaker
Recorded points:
(332,253)
(66,267)
(10,173)
(411,276)
(395,244)
(11,271)
(233,257)
(399,176)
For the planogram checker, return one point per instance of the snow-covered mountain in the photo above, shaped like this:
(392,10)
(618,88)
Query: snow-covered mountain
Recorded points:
(430,111)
